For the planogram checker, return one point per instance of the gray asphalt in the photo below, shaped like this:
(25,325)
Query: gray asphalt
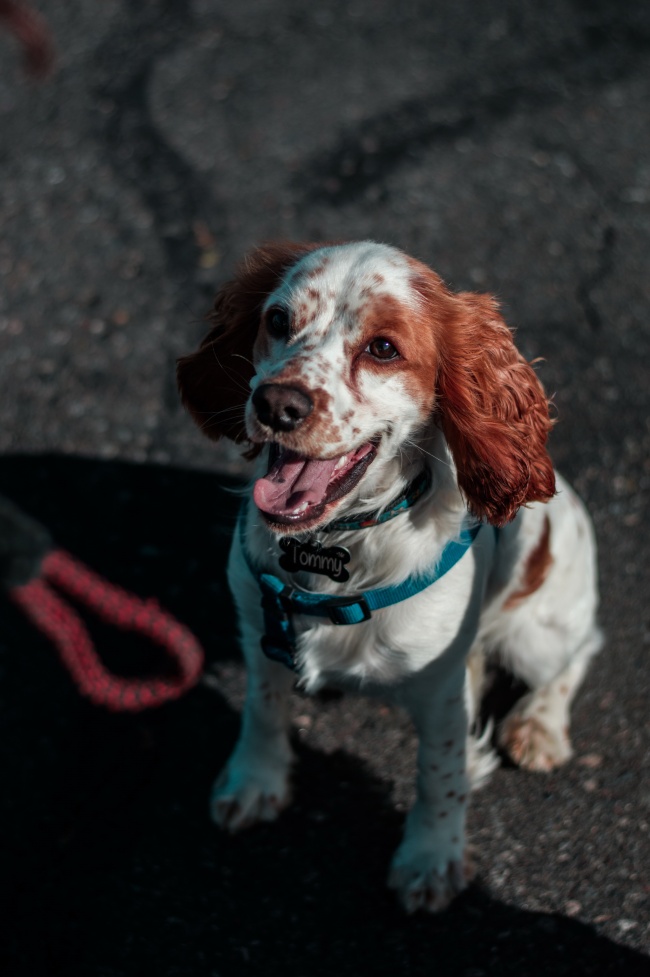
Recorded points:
(507,146)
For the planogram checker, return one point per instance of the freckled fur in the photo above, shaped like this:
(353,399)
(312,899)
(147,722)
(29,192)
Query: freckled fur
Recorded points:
(464,403)
(536,569)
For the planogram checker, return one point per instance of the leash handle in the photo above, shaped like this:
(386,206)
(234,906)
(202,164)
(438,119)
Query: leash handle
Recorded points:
(62,625)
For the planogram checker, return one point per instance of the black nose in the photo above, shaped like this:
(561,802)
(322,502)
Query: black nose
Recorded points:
(281,408)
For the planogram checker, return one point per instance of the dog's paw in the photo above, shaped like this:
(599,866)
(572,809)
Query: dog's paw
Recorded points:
(428,880)
(244,795)
(532,745)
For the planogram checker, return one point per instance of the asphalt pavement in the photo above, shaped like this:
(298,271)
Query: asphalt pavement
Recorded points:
(507,146)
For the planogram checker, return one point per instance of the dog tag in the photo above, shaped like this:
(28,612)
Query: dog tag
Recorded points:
(313,557)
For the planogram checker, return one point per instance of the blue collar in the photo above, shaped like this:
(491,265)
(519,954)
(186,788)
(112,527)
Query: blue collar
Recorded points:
(413,491)
(280,601)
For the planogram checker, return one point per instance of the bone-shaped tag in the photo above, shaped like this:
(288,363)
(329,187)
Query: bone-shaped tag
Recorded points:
(313,557)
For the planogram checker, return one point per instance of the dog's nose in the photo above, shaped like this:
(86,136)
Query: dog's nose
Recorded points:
(280,407)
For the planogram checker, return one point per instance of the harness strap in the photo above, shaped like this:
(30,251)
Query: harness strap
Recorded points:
(280,601)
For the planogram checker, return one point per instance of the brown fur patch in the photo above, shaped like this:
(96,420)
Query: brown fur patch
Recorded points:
(319,268)
(536,570)
(385,317)
(214,381)
(493,409)
(302,314)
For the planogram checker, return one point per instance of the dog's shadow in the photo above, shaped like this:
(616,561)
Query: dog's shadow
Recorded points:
(113,865)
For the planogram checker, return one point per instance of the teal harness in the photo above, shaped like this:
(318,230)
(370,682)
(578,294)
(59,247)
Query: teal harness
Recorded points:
(280,601)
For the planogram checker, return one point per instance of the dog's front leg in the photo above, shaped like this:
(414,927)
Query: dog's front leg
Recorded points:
(429,868)
(254,785)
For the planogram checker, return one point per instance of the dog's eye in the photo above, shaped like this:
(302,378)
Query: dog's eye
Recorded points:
(277,323)
(381,349)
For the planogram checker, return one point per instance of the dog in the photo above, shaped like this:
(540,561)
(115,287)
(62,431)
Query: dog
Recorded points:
(405,525)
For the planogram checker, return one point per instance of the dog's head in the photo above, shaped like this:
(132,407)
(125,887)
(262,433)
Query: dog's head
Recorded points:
(339,356)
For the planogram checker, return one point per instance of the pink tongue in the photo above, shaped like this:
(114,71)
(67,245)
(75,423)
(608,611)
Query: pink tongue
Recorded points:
(291,482)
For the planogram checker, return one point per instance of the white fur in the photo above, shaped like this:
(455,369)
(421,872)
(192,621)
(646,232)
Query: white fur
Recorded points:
(414,653)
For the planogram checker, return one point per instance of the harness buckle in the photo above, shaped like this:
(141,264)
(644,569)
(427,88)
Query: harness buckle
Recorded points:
(337,605)
(278,601)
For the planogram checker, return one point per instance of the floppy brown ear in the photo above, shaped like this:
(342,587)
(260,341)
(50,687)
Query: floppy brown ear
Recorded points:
(214,382)
(494,413)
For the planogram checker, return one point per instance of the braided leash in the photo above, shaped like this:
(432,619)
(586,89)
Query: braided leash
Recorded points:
(61,624)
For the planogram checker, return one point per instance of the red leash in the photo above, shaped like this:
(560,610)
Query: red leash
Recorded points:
(56,619)
(32,32)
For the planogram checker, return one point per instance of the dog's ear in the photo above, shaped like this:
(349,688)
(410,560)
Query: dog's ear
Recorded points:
(494,412)
(214,381)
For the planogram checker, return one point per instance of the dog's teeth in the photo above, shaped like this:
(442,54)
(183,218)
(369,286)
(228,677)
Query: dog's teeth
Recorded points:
(301,508)
(342,461)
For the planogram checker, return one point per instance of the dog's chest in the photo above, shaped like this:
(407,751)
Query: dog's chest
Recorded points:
(398,639)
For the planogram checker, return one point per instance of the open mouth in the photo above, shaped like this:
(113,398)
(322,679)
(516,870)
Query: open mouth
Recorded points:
(296,490)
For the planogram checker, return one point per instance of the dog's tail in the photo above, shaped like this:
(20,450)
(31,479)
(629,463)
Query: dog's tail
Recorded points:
(482,759)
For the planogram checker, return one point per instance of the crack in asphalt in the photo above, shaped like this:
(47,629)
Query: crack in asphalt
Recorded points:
(608,50)
(173,192)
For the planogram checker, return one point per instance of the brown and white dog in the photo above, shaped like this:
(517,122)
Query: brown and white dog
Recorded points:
(349,369)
